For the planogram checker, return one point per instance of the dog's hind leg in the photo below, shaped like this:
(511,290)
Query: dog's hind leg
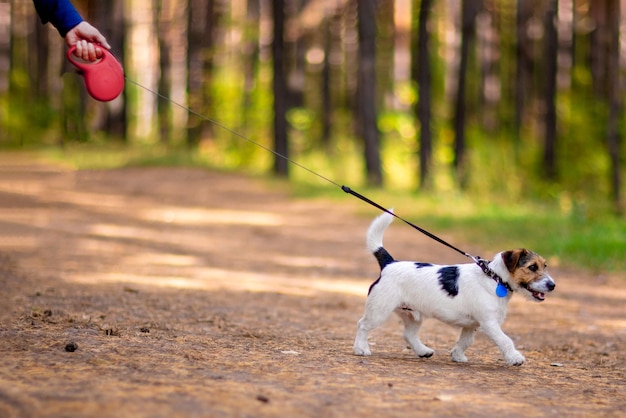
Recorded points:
(364,326)
(412,323)
(465,340)
(373,317)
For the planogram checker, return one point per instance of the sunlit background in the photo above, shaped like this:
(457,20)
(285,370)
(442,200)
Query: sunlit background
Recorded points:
(495,103)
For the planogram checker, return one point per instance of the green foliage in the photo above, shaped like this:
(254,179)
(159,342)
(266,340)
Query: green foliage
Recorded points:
(25,120)
(593,244)
(106,155)
(557,231)
(506,200)
(561,229)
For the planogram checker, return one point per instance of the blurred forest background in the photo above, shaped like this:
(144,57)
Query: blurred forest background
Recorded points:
(512,99)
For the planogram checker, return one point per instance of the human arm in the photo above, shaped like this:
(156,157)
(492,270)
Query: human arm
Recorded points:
(65,18)
(60,13)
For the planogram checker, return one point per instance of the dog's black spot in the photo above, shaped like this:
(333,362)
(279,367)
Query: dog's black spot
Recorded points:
(383,257)
(449,280)
(422,265)
(372,286)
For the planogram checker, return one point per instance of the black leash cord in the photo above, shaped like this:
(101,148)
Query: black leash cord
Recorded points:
(423,231)
(482,263)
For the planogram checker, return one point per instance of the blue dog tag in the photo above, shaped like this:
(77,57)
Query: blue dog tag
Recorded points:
(501,290)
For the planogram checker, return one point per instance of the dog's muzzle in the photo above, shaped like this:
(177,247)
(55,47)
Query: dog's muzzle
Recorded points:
(539,288)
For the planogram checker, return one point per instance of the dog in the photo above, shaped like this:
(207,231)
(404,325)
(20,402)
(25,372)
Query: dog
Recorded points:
(461,295)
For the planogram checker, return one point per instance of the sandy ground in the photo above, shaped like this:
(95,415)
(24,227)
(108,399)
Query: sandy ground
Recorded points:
(187,293)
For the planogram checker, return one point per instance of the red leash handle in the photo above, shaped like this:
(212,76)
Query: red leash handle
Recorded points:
(104,79)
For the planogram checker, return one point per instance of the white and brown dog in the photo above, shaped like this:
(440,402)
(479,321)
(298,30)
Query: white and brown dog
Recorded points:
(460,295)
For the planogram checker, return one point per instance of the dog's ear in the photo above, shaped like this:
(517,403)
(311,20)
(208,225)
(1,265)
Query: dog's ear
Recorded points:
(512,258)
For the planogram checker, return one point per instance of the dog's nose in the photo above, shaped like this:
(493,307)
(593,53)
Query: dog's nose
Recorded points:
(550,285)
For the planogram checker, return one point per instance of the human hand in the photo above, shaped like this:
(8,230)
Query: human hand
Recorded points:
(87,40)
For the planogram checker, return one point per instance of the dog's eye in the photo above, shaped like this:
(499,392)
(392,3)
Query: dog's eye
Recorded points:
(533,267)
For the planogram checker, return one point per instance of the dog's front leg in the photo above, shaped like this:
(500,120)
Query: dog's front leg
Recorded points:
(504,343)
(465,340)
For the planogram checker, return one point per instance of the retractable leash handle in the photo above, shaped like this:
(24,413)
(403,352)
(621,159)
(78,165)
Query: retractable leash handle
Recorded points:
(104,79)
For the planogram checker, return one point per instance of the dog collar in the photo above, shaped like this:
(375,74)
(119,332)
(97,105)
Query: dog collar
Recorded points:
(503,287)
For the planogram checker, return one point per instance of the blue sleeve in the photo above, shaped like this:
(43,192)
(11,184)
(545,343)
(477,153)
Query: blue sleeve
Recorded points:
(61,13)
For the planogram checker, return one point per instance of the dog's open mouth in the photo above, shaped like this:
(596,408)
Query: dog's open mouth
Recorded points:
(538,296)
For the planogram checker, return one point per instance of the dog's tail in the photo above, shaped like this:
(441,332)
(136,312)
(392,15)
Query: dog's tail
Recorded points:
(375,239)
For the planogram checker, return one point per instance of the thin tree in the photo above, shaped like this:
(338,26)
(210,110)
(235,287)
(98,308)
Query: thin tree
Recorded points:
(469,9)
(5,53)
(615,104)
(109,18)
(164,108)
(326,96)
(201,22)
(250,57)
(598,38)
(40,63)
(279,87)
(421,76)
(489,50)
(550,58)
(194,70)
(523,64)
(366,88)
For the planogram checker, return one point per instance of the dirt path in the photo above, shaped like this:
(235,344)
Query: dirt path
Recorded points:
(190,293)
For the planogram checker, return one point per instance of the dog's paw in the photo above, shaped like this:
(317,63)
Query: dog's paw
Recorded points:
(458,356)
(425,352)
(515,359)
(362,351)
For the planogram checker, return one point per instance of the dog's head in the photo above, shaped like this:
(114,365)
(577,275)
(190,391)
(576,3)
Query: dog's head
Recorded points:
(528,273)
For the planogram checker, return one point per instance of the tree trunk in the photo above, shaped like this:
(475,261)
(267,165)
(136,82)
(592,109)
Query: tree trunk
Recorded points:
(201,21)
(523,64)
(164,108)
(108,17)
(326,96)
(117,122)
(366,88)
(212,15)
(5,50)
(551,47)
(250,58)
(615,105)
(488,48)
(468,25)
(279,86)
(599,40)
(420,74)
(40,61)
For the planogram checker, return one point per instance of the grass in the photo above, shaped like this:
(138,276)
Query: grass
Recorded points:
(110,156)
(564,238)
(564,232)
(597,245)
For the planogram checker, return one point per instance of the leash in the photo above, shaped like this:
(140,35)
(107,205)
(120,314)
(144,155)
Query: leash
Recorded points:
(502,288)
